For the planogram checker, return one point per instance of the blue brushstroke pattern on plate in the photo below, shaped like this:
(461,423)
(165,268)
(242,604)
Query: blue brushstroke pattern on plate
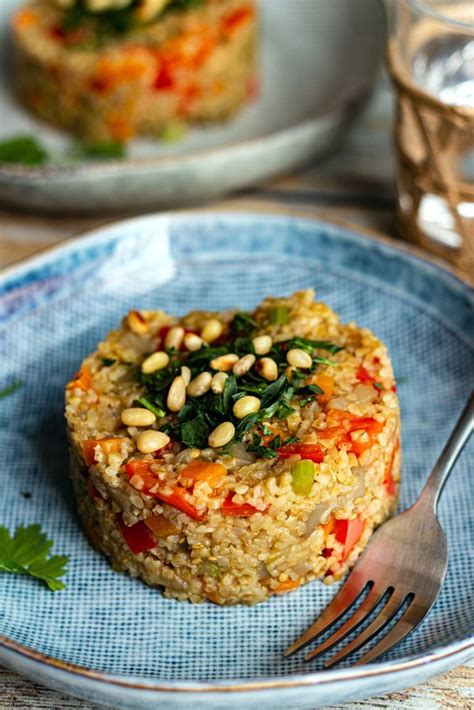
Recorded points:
(54,310)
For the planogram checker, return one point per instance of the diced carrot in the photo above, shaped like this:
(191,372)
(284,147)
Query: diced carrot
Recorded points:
(136,536)
(82,380)
(120,129)
(161,526)
(276,431)
(239,510)
(328,526)
(25,18)
(326,383)
(287,586)
(196,471)
(348,533)
(108,445)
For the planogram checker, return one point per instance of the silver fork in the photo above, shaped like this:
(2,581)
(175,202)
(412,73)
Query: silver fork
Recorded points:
(401,570)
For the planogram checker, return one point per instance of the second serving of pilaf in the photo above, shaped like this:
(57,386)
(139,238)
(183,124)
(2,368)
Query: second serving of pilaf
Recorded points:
(232,456)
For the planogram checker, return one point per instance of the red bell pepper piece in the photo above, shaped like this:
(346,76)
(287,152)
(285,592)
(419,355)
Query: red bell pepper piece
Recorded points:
(237,18)
(177,498)
(136,536)
(363,376)
(310,452)
(164,80)
(388,481)
(348,533)
(239,510)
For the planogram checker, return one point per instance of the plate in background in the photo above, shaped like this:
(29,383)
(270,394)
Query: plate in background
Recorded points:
(315,69)
(113,640)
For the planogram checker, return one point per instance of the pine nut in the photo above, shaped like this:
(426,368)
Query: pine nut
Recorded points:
(246,405)
(212,330)
(176,394)
(137,323)
(174,338)
(192,342)
(262,344)
(154,362)
(299,358)
(267,368)
(221,435)
(186,374)
(243,365)
(224,363)
(151,440)
(200,385)
(136,416)
(218,382)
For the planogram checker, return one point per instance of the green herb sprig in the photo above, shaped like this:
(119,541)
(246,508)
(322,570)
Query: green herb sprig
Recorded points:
(7,391)
(26,552)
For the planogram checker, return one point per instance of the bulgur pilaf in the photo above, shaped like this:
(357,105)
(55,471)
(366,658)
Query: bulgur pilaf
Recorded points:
(109,70)
(232,456)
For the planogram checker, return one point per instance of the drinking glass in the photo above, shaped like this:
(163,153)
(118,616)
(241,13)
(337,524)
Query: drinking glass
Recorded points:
(431,62)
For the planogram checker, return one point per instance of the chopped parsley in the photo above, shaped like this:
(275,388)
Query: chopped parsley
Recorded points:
(159,412)
(102,150)
(115,21)
(108,361)
(7,391)
(26,552)
(23,150)
(201,415)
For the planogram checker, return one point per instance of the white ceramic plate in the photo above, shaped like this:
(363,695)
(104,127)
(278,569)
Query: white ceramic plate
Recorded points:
(318,58)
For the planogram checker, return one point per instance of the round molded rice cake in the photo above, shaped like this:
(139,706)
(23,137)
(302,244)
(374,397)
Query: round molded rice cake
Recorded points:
(292,486)
(188,66)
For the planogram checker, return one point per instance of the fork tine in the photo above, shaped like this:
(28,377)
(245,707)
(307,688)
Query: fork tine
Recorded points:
(349,592)
(413,615)
(361,613)
(387,613)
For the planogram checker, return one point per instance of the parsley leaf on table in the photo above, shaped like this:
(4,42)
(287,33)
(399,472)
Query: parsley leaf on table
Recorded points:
(6,391)
(27,553)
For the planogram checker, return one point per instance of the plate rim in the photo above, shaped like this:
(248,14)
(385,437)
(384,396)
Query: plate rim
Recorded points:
(318,678)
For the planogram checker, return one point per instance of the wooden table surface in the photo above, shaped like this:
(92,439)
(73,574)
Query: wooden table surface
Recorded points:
(354,184)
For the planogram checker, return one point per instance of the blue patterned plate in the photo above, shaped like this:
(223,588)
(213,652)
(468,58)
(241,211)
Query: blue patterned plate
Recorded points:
(112,639)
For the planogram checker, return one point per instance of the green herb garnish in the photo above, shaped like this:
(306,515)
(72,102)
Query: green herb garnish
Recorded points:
(108,361)
(23,150)
(199,416)
(27,553)
(243,324)
(7,391)
(157,411)
(101,150)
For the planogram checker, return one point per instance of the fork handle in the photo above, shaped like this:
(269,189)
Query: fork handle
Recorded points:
(462,431)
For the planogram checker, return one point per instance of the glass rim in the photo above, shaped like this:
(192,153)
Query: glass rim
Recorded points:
(424,7)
